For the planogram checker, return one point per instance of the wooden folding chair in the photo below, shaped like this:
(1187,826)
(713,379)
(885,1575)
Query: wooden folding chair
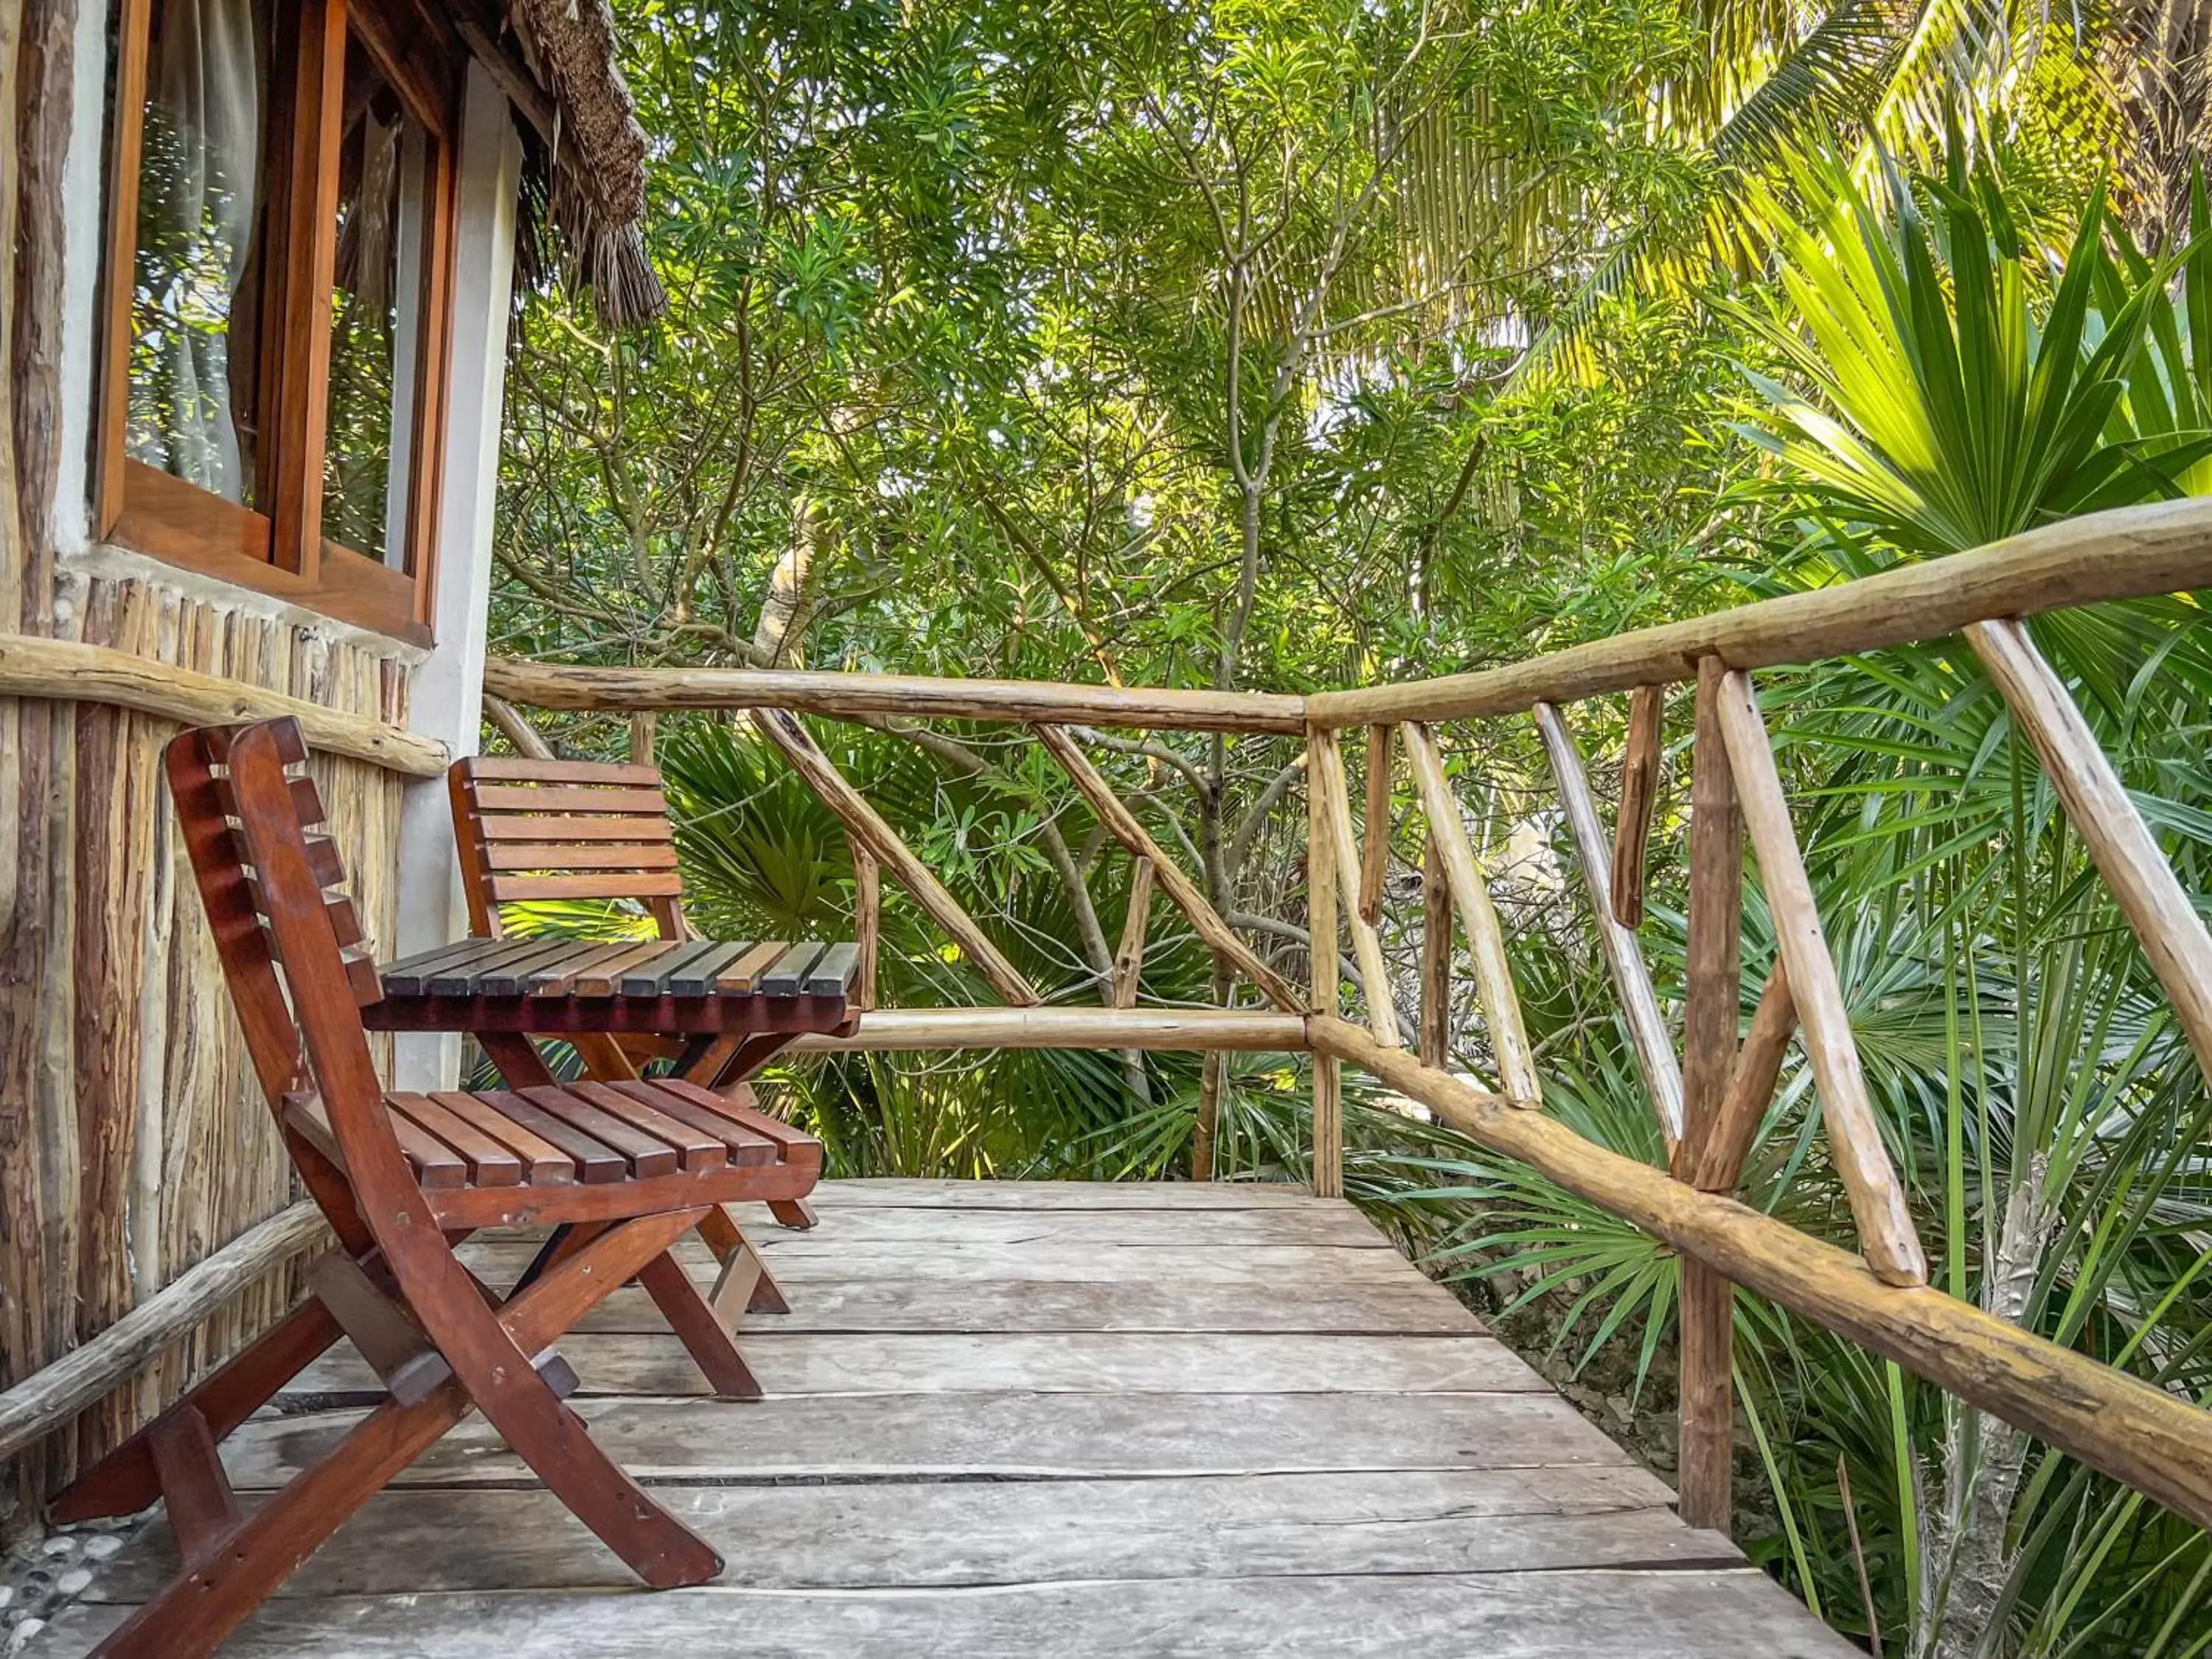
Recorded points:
(402,1178)
(591,831)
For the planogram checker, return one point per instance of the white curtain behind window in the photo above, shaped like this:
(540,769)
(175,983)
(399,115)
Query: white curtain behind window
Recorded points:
(198,191)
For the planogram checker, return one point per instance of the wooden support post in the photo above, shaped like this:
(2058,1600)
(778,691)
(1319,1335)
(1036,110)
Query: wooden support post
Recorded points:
(1374,845)
(1435,955)
(1485,937)
(1632,980)
(1715,996)
(1887,1235)
(1129,959)
(1639,789)
(644,735)
(1320,920)
(1366,947)
(867,923)
(2126,854)
(866,825)
(1751,1088)
(1193,903)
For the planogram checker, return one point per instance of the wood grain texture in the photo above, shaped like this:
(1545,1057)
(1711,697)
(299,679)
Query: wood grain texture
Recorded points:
(969,1489)
(1375,835)
(1887,1235)
(921,1029)
(1486,936)
(91,673)
(1714,997)
(2127,553)
(1624,956)
(560,685)
(2142,884)
(1129,955)
(948,1535)
(1343,846)
(1733,1613)
(1639,793)
(1435,955)
(1324,987)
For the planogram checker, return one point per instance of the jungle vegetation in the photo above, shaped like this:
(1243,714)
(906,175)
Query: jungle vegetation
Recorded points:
(1285,346)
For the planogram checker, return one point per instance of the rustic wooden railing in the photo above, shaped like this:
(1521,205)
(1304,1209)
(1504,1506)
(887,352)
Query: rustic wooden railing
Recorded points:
(1710,1093)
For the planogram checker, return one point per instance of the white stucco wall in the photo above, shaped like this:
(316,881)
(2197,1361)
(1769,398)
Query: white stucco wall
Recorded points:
(448,685)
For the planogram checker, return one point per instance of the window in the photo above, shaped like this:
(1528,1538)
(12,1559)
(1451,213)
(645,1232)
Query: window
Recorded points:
(277,307)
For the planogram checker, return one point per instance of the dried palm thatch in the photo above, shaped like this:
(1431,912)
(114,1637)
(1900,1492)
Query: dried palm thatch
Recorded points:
(585,158)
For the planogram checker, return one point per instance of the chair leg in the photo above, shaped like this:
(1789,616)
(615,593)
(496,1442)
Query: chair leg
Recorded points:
(544,1432)
(705,1337)
(732,1249)
(128,1479)
(792,1212)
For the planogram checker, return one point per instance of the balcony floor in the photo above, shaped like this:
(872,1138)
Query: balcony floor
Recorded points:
(1033,1419)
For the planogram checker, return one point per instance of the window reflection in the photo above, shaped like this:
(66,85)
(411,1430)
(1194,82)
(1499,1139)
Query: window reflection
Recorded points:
(194,379)
(386,171)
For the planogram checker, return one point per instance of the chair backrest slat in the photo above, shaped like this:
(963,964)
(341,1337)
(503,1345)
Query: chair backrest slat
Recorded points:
(292,945)
(563,830)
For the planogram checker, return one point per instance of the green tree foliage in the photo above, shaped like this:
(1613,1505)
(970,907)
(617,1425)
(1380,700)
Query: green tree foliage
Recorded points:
(1132,341)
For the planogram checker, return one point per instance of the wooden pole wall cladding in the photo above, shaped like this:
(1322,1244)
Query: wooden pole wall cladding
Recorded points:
(548,685)
(168,1154)
(1123,824)
(1485,937)
(2128,553)
(79,671)
(1624,956)
(2126,854)
(2158,1443)
(867,923)
(1320,953)
(866,825)
(1887,1235)
(1436,953)
(1366,945)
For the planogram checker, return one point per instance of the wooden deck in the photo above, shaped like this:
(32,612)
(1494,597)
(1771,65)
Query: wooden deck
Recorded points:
(1052,1419)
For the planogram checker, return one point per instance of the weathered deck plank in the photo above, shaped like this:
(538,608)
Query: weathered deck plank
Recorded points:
(1588,1614)
(951,1533)
(1084,1362)
(1032,1418)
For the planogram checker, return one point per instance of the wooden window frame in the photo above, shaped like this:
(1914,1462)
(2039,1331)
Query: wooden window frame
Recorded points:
(282,551)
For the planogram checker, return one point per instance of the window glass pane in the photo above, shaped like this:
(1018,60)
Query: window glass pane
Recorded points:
(194,375)
(386,171)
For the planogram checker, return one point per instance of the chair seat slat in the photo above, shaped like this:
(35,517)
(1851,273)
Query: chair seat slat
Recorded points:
(744,974)
(489,1163)
(788,978)
(698,975)
(542,1164)
(644,1155)
(695,1148)
(595,1160)
(652,978)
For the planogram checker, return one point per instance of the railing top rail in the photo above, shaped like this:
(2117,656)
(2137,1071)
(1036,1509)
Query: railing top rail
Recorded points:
(2128,553)
(916,696)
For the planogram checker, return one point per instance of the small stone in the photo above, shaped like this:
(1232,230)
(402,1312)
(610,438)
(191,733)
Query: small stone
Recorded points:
(73,1582)
(7,1594)
(27,1630)
(102,1545)
(61,1544)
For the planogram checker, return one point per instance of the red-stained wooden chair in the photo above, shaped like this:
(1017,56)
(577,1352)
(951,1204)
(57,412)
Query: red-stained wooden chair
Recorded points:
(590,830)
(402,1178)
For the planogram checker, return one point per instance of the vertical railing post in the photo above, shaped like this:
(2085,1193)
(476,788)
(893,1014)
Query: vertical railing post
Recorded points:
(1709,1057)
(1321,921)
